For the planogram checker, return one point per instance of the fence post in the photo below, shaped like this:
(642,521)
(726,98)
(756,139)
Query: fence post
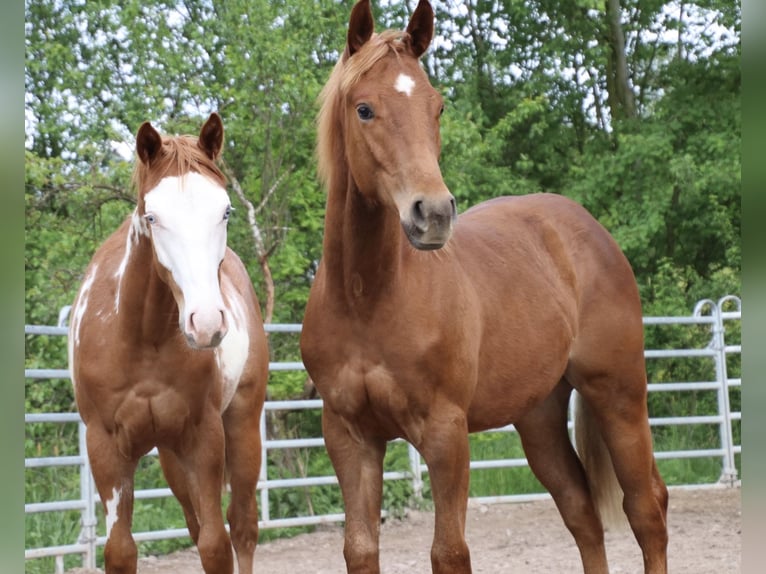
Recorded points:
(264,474)
(417,476)
(87,494)
(729,470)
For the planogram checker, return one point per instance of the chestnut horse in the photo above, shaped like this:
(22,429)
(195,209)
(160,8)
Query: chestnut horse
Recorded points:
(427,327)
(167,349)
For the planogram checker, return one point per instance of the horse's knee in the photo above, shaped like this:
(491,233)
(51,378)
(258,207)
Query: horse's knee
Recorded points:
(215,551)
(361,554)
(451,558)
(120,553)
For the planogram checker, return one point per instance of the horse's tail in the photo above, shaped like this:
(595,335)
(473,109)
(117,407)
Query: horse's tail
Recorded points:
(604,487)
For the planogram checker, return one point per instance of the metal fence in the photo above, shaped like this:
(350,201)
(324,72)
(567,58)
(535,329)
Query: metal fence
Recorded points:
(714,316)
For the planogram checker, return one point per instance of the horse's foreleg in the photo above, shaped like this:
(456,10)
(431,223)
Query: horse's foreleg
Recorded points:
(552,458)
(243,461)
(113,474)
(204,462)
(358,463)
(444,447)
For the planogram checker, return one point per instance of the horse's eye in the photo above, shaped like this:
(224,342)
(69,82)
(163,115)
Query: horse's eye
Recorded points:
(227,213)
(441,111)
(364,112)
(150,219)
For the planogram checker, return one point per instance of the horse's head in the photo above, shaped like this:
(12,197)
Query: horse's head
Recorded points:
(185,207)
(390,113)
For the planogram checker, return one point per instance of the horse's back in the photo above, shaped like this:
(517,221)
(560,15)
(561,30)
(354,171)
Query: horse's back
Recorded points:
(545,238)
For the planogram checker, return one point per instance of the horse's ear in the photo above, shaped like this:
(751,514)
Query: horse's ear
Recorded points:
(421,28)
(148,143)
(360,26)
(211,136)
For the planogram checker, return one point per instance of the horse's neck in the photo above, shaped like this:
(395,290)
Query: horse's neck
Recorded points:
(362,245)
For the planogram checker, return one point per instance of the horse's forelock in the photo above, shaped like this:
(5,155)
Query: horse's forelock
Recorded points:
(179,155)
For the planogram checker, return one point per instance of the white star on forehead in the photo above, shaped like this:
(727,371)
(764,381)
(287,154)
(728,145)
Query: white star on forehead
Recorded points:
(404,84)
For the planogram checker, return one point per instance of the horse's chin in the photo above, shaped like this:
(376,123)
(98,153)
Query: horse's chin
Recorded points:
(427,241)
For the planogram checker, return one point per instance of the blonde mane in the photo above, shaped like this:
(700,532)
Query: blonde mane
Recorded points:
(346,73)
(179,155)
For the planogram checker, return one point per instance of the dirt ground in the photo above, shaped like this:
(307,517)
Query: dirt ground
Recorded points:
(705,528)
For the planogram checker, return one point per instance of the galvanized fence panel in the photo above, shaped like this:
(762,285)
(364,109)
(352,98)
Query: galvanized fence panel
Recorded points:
(713,314)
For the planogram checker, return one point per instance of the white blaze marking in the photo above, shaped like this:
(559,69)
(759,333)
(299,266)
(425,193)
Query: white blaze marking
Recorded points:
(111,510)
(404,84)
(190,237)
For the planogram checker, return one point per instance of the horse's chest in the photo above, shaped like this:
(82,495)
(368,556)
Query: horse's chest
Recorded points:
(367,393)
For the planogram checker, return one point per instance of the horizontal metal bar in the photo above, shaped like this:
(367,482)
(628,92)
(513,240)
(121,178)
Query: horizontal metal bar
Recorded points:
(52,418)
(49,551)
(287,366)
(502,463)
(61,505)
(678,353)
(702,320)
(667,454)
(293,443)
(152,493)
(275,483)
(697,420)
(293,405)
(303,521)
(532,497)
(283,327)
(45,330)
(700,386)
(47,374)
(46,461)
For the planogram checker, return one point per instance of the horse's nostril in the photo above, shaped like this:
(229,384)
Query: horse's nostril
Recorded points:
(417,210)
(419,217)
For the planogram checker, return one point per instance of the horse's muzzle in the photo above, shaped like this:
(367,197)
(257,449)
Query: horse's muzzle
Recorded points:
(428,225)
(205,330)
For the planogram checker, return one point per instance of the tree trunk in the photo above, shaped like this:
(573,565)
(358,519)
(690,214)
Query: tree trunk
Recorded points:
(621,99)
(260,248)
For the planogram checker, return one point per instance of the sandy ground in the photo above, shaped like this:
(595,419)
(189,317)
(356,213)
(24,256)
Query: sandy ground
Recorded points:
(705,528)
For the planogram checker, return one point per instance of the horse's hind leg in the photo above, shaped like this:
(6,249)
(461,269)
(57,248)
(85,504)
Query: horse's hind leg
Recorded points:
(243,461)
(545,439)
(619,407)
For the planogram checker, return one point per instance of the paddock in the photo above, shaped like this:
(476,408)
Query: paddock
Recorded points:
(522,537)
(717,318)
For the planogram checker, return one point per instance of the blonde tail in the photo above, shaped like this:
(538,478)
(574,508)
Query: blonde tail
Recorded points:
(604,487)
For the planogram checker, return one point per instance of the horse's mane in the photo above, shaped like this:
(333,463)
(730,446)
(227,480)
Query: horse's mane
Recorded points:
(346,73)
(179,155)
